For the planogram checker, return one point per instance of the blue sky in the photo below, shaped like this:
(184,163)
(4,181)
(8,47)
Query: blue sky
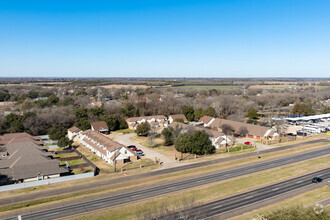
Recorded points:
(165,38)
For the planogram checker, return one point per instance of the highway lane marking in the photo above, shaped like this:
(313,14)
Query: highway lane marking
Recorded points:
(217,207)
(248,197)
(227,174)
(54,213)
(299,181)
(200,181)
(275,189)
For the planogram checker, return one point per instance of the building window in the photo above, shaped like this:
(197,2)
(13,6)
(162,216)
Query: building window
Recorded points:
(125,151)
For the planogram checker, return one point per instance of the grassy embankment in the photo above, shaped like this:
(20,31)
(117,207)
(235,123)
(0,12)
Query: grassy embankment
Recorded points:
(306,199)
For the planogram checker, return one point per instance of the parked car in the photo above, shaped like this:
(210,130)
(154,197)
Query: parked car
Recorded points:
(139,152)
(132,147)
(247,143)
(317,179)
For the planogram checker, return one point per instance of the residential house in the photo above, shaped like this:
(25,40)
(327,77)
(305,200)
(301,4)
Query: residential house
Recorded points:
(206,120)
(100,126)
(73,133)
(23,160)
(172,118)
(107,149)
(155,120)
(254,131)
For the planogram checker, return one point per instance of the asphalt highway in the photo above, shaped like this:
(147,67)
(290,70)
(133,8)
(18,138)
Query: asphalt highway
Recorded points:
(122,199)
(81,187)
(245,199)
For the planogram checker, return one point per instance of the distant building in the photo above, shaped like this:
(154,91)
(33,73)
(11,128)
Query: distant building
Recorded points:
(100,126)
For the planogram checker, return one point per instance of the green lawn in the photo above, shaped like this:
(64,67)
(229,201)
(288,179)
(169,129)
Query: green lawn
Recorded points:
(82,170)
(73,162)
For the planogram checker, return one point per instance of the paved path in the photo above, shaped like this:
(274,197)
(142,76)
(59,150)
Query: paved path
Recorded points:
(167,162)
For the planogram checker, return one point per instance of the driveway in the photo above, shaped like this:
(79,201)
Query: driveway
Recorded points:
(166,162)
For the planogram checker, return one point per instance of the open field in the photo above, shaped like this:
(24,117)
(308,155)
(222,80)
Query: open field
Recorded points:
(211,192)
(119,86)
(285,86)
(205,87)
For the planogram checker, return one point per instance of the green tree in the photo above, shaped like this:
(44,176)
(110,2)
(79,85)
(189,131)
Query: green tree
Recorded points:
(326,110)
(198,113)
(252,114)
(182,143)
(168,136)
(52,100)
(64,141)
(67,101)
(4,96)
(33,94)
(188,111)
(56,133)
(114,122)
(142,129)
(197,143)
(302,109)
(83,124)
(80,112)
(15,123)
(210,111)
(128,110)
(97,111)
(252,121)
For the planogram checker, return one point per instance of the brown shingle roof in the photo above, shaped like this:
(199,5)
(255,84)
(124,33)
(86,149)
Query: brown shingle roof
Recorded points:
(28,160)
(19,137)
(74,129)
(99,125)
(108,143)
(210,132)
(255,130)
(180,116)
(205,119)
